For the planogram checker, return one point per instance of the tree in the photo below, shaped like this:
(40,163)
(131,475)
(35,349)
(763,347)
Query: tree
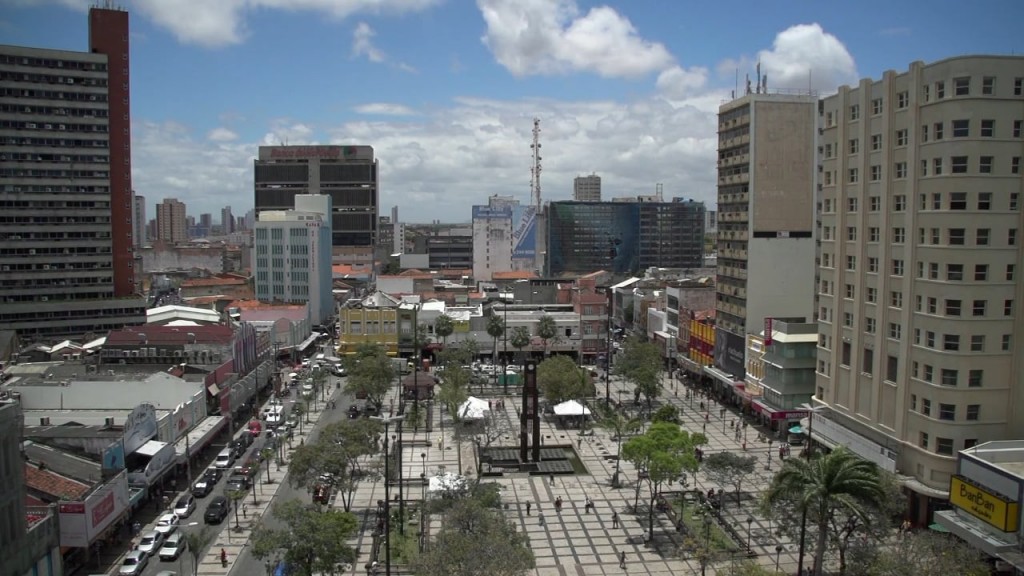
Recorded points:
(266,454)
(749,568)
(917,553)
(663,454)
(313,541)
(640,363)
(560,379)
(475,539)
(547,330)
(495,329)
(196,542)
(454,389)
(338,451)
(666,413)
(444,327)
(846,528)
(729,469)
(619,423)
(235,496)
(370,374)
(820,486)
(519,338)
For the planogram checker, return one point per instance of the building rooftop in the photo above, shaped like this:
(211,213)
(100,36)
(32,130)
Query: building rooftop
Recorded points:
(53,484)
(76,466)
(165,314)
(216,281)
(152,334)
(1005,454)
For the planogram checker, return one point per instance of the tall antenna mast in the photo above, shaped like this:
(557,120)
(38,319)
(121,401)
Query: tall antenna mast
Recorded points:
(535,169)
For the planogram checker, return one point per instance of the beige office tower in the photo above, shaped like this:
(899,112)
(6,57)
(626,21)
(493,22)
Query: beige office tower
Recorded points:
(919,352)
(586,188)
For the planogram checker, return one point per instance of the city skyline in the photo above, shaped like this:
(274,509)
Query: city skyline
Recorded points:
(447,91)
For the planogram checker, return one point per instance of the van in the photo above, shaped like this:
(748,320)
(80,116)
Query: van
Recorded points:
(225,458)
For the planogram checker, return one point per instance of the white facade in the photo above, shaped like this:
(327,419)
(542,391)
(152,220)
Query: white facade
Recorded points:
(292,256)
(587,188)
(781,285)
(493,228)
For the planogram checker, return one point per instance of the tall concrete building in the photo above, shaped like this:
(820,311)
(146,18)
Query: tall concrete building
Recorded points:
(348,174)
(766,219)
(921,338)
(171,221)
(65,166)
(139,221)
(292,255)
(227,221)
(586,188)
(504,237)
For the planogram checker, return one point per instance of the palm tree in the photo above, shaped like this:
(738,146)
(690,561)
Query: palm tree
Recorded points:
(495,329)
(519,339)
(839,480)
(546,329)
(444,327)
(196,543)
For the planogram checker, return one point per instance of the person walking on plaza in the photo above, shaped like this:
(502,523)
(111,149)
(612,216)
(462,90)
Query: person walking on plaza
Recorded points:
(622,559)
(540,518)
(615,520)
(529,505)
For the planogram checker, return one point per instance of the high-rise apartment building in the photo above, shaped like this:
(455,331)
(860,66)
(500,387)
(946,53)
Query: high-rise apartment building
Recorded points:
(139,220)
(766,177)
(921,338)
(348,174)
(172,221)
(586,188)
(227,221)
(66,245)
(504,237)
(292,255)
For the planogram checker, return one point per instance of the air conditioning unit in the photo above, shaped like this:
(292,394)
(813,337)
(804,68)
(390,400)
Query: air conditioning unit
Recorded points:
(44,298)
(46,266)
(31,250)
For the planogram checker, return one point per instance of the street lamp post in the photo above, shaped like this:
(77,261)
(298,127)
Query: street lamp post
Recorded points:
(608,350)
(504,345)
(778,552)
(803,516)
(387,420)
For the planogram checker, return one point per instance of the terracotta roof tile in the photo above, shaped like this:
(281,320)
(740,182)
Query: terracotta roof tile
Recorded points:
(513,275)
(53,484)
(201,282)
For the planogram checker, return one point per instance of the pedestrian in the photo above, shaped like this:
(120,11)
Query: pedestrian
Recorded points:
(529,505)
(245,510)
(622,559)
(551,478)
(540,518)
(615,520)
(136,528)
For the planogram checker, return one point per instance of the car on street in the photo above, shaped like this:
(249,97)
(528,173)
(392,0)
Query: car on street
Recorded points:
(216,510)
(214,474)
(173,547)
(150,542)
(353,411)
(225,458)
(167,524)
(339,371)
(185,506)
(202,487)
(238,482)
(134,563)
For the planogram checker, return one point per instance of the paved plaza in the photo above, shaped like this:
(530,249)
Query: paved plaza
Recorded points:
(575,541)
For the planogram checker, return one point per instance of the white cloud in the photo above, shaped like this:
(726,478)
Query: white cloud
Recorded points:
(679,82)
(551,37)
(284,131)
(805,56)
(215,23)
(362,43)
(384,109)
(221,134)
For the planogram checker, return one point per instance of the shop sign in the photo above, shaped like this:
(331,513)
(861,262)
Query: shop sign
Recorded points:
(992,508)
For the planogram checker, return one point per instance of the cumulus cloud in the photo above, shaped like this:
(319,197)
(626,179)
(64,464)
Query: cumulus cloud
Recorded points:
(384,109)
(221,134)
(215,23)
(362,45)
(679,82)
(805,56)
(551,37)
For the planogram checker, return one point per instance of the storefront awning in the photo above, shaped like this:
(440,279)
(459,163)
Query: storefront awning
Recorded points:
(723,377)
(308,341)
(762,407)
(197,438)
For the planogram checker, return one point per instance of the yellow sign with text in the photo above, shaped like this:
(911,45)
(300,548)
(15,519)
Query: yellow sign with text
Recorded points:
(994,509)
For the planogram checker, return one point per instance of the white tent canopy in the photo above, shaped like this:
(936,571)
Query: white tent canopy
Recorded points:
(571,408)
(474,409)
(447,482)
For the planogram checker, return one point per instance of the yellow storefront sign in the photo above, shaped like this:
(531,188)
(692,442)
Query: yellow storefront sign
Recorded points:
(994,509)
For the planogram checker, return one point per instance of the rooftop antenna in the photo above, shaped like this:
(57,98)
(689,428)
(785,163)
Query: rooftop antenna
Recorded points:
(758,76)
(536,168)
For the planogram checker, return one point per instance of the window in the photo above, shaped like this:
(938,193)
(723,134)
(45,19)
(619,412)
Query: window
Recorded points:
(854,146)
(940,90)
(958,201)
(875,203)
(948,377)
(924,440)
(902,100)
(926,93)
(937,130)
(867,364)
(955,272)
(933,271)
(853,176)
(855,112)
(851,233)
(937,166)
(876,106)
(977,343)
(947,411)
(962,86)
(937,201)
(970,443)
(1011,237)
(933,308)
(1010,272)
(913,400)
(830,119)
(851,204)
(1015,165)
(876,172)
(1008,308)
(851,263)
(896,299)
(935,236)
(850,291)
(929,339)
(980,272)
(927,377)
(924,167)
(984,200)
(973,410)
(981,236)
(873,234)
(978,307)
(895,330)
(828,178)
(871,295)
(1018,86)
(846,354)
(956,236)
(848,319)
(1017,125)
(899,235)
(872,264)
(959,164)
(951,342)
(901,170)
(988,128)
(876,141)
(892,364)
(952,307)
(897,267)
(869,327)
(985,164)
(926,404)
(988,85)
(899,201)
(974,378)
(924,133)
(1007,342)
(1014,201)
(944,446)
(961,128)
(901,137)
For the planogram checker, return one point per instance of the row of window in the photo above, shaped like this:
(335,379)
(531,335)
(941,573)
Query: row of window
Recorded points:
(930,237)
(7,77)
(960,129)
(934,167)
(945,411)
(956,201)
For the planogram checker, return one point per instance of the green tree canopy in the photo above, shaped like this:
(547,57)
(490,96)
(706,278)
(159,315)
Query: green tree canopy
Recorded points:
(444,327)
(663,454)
(729,469)
(313,541)
(666,413)
(916,554)
(519,338)
(640,363)
(370,374)
(560,379)
(338,451)
(454,388)
(547,330)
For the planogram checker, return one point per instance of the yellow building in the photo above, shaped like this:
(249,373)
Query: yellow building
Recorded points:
(372,320)
(702,340)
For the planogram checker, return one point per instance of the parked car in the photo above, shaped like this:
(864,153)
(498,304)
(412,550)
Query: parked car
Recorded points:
(185,506)
(238,482)
(225,458)
(150,542)
(135,563)
(353,411)
(217,510)
(173,547)
(202,487)
(167,524)
(237,449)
(214,474)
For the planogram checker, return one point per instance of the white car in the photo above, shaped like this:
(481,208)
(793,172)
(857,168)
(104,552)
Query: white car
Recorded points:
(185,505)
(173,547)
(134,563)
(167,524)
(150,542)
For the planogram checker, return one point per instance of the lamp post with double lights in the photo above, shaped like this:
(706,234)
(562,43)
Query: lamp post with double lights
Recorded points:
(387,420)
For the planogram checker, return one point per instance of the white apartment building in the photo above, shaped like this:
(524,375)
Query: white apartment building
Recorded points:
(586,188)
(292,256)
(505,237)
(920,332)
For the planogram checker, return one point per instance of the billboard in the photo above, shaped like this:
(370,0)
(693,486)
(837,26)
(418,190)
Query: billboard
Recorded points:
(83,521)
(991,508)
(139,428)
(730,352)
(524,232)
(499,211)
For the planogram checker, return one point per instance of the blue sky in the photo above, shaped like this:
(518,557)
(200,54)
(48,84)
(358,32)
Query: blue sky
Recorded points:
(446,90)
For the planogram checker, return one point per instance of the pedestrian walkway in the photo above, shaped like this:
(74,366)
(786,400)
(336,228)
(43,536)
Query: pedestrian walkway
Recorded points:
(574,541)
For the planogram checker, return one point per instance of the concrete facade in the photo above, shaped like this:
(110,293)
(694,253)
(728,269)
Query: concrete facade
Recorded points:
(586,188)
(170,221)
(920,342)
